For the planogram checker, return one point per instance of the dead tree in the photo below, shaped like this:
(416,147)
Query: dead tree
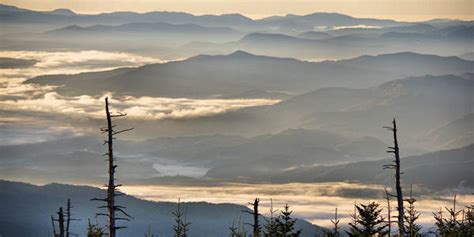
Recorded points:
(389,213)
(112,190)
(256,215)
(69,217)
(54,227)
(396,166)
(60,221)
(335,222)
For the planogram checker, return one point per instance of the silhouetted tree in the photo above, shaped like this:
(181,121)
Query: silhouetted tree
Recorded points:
(149,234)
(112,190)
(467,223)
(255,215)
(354,218)
(389,213)
(60,221)
(286,224)
(450,225)
(181,226)
(411,216)
(368,221)
(439,222)
(69,217)
(94,230)
(335,230)
(396,166)
(271,224)
(239,230)
(54,226)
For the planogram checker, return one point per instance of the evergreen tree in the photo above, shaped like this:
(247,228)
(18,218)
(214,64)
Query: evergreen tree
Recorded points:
(181,226)
(411,216)
(286,224)
(368,221)
(467,223)
(451,225)
(94,230)
(149,234)
(237,231)
(271,229)
(335,230)
(441,228)
(354,217)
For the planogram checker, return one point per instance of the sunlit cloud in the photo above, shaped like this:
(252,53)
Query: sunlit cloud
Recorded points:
(154,108)
(17,96)
(311,201)
(69,62)
(356,27)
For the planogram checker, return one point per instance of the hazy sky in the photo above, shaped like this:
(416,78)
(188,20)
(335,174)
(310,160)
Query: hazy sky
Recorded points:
(409,10)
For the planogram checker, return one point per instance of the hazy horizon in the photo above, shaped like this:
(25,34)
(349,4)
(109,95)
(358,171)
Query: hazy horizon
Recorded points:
(410,11)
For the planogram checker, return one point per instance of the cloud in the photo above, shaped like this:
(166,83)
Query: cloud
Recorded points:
(146,108)
(356,27)
(69,62)
(312,201)
(41,103)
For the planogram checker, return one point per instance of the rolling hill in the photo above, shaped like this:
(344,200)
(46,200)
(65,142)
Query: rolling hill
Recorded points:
(240,72)
(157,215)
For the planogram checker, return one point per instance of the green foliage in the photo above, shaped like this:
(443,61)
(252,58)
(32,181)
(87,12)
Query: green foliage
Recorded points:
(367,221)
(286,224)
(94,230)
(181,226)
(411,216)
(237,231)
(456,222)
(270,225)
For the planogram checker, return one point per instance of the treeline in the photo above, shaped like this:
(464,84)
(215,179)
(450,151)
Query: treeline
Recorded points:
(366,220)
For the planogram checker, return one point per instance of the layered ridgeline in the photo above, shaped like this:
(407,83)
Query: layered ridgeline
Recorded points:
(75,159)
(240,72)
(423,171)
(291,156)
(427,102)
(315,36)
(11,14)
(207,219)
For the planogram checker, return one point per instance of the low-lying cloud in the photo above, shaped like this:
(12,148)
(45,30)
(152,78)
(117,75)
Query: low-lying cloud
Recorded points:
(41,105)
(148,108)
(312,201)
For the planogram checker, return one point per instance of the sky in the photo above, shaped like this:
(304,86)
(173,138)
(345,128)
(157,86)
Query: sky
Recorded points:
(403,10)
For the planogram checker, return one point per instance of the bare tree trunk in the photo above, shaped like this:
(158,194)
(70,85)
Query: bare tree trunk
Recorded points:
(68,216)
(335,222)
(389,213)
(256,225)
(396,166)
(61,222)
(54,227)
(111,186)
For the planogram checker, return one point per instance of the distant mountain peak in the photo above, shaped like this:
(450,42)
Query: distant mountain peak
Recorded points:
(63,11)
(241,53)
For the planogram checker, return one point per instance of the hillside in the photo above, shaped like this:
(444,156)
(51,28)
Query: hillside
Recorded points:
(423,170)
(241,72)
(15,214)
